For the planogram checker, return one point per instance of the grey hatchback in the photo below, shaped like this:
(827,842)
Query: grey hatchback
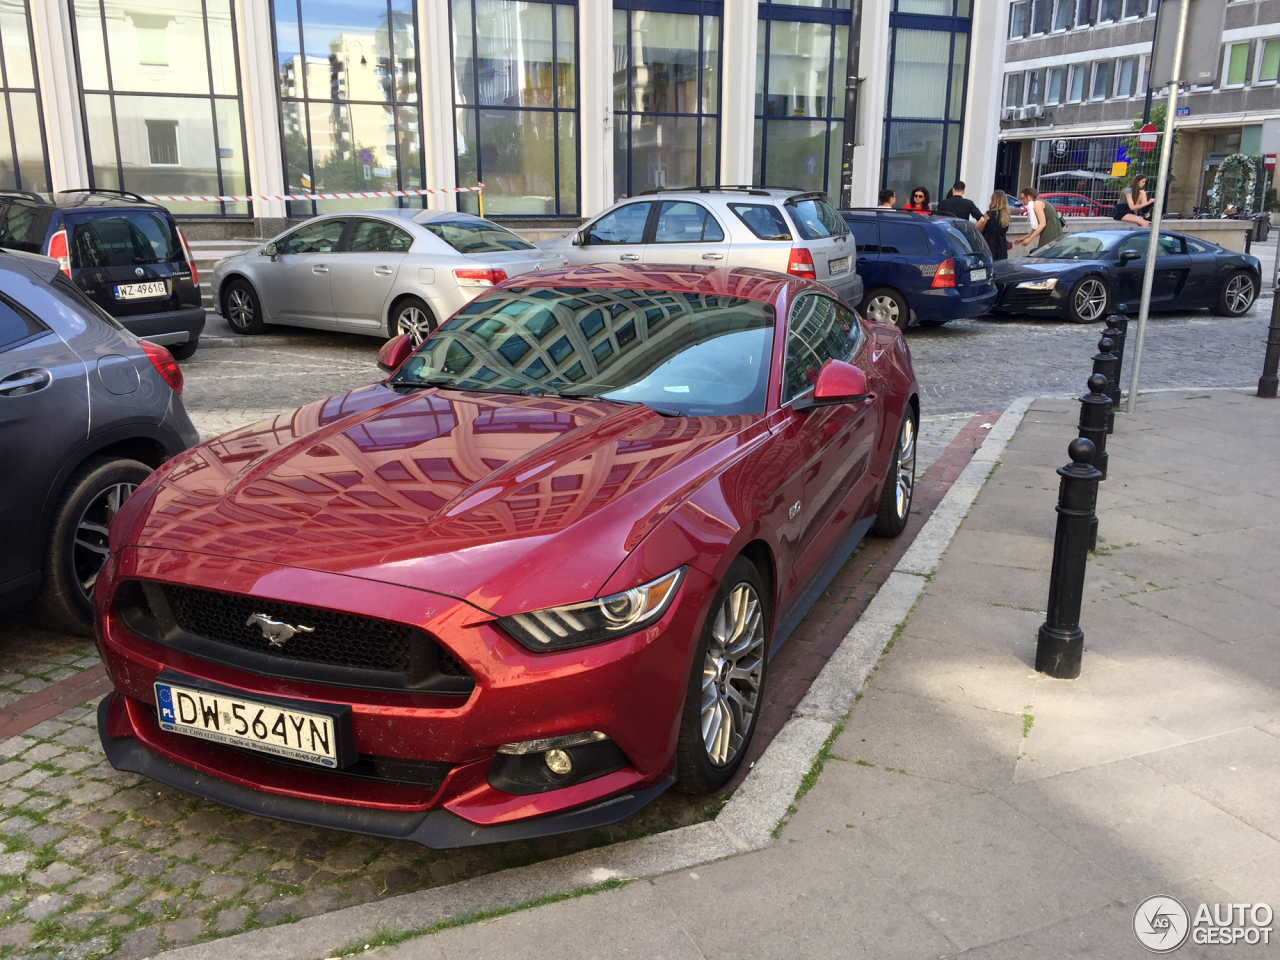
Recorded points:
(87,411)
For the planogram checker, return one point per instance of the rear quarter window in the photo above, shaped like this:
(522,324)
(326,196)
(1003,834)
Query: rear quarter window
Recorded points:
(867,235)
(764,220)
(16,324)
(906,239)
(23,227)
(815,219)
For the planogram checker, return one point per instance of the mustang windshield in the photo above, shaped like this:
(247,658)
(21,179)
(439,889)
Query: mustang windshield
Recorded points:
(1075,246)
(696,354)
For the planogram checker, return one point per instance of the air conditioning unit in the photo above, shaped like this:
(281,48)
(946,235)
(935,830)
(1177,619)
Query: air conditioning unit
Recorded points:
(1009,113)
(1024,113)
(1036,111)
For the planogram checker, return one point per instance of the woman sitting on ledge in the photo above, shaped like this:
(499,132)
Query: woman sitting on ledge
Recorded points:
(1133,202)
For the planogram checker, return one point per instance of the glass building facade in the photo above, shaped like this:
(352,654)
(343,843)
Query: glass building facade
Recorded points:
(801,56)
(23,153)
(515,99)
(350,104)
(666,95)
(160,97)
(924,115)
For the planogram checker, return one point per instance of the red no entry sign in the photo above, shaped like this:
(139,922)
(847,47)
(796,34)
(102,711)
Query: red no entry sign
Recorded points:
(1269,161)
(1147,137)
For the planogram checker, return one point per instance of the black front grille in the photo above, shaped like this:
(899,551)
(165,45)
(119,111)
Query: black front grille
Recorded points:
(339,648)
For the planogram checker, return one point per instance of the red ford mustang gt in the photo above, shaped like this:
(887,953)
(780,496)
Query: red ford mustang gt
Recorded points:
(524,584)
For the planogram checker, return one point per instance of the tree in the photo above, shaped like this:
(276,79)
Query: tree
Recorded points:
(1145,163)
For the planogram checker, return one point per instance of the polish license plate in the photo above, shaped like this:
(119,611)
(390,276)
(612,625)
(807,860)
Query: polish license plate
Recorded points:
(980,274)
(838,266)
(141,291)
(270,728)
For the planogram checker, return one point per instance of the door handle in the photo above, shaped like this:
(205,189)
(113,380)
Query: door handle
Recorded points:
(713,256)
(629,256)
(383,271)
(320,268)
(25,381)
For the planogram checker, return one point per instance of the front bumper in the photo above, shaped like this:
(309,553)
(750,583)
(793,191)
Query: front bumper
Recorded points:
(632,689)
(1010,299)
(174,326)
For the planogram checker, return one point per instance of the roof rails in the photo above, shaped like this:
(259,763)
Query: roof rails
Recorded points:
(117,193)
(752,190)
(883,212)
(23,193)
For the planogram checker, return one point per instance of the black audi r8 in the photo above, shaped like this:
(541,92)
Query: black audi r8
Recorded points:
(1081,276)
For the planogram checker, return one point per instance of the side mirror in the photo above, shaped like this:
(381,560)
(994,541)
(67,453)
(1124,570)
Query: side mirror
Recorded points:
(838,382)
(579,238)
(270,250)
(394,353)
(1128,256)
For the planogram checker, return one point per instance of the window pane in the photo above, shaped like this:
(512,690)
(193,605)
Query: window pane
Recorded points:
(93,59)
(378,236)
(340,136)
(936,8)
(839,70)
(319,237)
(799,64)
(951,162)
(1077,83)
(568,163)
(1061,14)
(664,62)
(8,168)
(513,50)
(762,49)
(468,158)
(1270,61)
(680,221)
(347,48)
(167,147)
(835,156)
(16,41)
(231,153)
(1238,63)
(517,161)
(31,157)
(922,58)
(710,151)
(403,40)
(1053,86)
(1101,80)
(959,65)
(102,143)
(795,155)
(757,153)
(664,152)
(620,67)
(624,225)
(1082,12)
(817,332)
(222,47)
(297,166)
(409,138)
(160,51)
(621,133)
(711,64)
(913,157)
(1017,21)
(1124,78)
(906,239)
(464,90)
(566,59)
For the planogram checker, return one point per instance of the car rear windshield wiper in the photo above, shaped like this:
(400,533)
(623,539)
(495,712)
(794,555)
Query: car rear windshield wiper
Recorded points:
(576,395)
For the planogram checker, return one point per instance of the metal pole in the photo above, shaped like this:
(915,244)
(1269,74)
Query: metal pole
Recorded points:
(1271,361)
(1162,187)
(851,84)
(1155,30)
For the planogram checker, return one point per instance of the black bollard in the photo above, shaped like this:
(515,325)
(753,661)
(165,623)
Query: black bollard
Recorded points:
(1061,641)
(1093,420)
(1106,364)
(1117,330)
(1270,379)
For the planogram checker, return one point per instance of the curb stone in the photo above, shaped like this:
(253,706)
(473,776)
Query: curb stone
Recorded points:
(745,823)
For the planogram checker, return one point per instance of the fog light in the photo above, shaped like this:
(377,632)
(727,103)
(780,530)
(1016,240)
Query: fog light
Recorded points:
(558,762)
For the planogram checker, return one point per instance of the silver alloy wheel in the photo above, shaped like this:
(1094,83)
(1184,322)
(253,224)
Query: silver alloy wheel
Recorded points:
(906,466)
(415,322)
(1090,301)
(883,309)
(1239,293)
(731,674)
(239,308)
(89,551)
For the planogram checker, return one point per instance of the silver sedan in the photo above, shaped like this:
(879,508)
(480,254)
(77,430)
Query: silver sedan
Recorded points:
(378,272)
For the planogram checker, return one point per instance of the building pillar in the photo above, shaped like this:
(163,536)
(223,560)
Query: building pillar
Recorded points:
(983,98)
(595,105)
(873,66)
(439,149)
(738,91)
(261,105)
(59,95)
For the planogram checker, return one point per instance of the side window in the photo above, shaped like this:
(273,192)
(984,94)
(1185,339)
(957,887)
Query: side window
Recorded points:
(819,329)
(16,325)
(319,237)
(624,225)
(1168,246)
(867,235)
(1197,246)
(907,239)
(378,236)
(680,221)
(957,244)
(765,221)
(816,219)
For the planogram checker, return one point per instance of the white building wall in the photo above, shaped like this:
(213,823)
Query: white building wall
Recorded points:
(982,104)
(439,148)
(738,90)
(873,67)
(59,94)
(595,104)
(261,106)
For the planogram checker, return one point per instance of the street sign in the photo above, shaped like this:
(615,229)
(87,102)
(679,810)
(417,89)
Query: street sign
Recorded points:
(366,157)
(1269,161)
(1183,112)
(1147,137)
(1200,50)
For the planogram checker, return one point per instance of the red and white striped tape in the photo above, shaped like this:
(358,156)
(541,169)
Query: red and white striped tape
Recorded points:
(368,195)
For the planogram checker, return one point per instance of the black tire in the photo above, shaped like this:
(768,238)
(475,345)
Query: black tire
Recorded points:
(91,496)
(696,770)
(185,351)
(931,324)
(412,316)
(1091,309)
(242,307)
(886,305)
(899,483)
(1238,293)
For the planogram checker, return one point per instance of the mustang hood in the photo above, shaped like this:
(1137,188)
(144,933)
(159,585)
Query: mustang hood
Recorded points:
(473,495)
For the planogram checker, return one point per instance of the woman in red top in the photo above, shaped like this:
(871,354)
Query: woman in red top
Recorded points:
(919,202)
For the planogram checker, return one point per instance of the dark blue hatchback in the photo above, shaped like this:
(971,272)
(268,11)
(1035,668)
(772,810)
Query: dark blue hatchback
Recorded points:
(933,268)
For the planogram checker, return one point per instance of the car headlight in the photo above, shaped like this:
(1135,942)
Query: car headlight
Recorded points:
(1038,284)
(594,621)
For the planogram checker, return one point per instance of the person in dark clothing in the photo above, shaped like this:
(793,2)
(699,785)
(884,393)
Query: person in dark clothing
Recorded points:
(994,225)
(956,205)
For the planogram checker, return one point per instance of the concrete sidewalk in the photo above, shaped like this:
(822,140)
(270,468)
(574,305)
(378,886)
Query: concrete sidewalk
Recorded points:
(973,808)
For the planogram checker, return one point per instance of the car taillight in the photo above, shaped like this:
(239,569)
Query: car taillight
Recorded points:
(191,261)
(58,250)
(164,363)
(946,275)
(479,278)
(801,263)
